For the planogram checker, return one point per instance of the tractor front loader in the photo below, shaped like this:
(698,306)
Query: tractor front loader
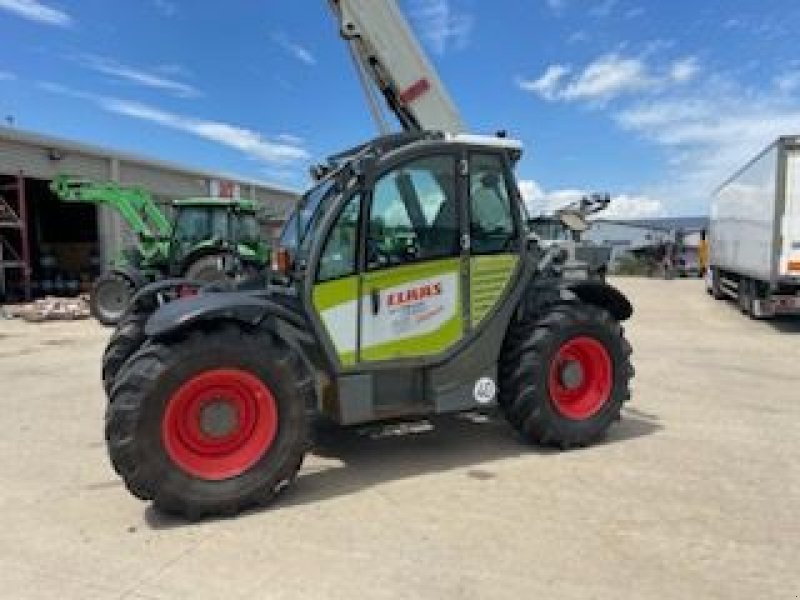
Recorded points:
(210,239)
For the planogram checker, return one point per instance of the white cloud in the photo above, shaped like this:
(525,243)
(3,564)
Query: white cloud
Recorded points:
(34,10)
(290,139)
(578,37)
(608,77)
(788,82)
(166,7)
(299,52)
(7,76)
(441,25)
(151,79)
(634,13)
(531,192)
(251,143)
(548,86)
(245,140)
(557,5)
(684,70)
(604,9)
(623,206)
(708,133)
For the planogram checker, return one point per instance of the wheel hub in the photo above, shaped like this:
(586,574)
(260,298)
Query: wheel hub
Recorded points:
(571,375)
(219,423)
(581,378)
(218,418)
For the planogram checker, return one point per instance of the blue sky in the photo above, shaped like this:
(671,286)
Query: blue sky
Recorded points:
(654,102)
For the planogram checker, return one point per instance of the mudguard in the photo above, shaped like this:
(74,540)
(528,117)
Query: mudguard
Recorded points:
(149,291)
(603,295)
(130,273)
(245,307)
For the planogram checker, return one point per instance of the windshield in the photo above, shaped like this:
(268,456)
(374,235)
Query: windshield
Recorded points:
(311,201)
(248,229)
(198,223)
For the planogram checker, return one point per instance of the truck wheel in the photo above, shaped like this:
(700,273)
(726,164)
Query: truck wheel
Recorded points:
(743,296)
(209,424)
(110,297)
(716,285)
(125,341)
(570,376)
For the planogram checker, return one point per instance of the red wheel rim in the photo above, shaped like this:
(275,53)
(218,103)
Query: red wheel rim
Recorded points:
(581,378)
(219,423)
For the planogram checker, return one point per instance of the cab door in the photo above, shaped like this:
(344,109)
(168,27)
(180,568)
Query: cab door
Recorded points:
(412,296)
(495,234)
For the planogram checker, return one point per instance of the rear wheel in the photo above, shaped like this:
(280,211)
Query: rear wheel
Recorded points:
(210,268)
(125,341)
(716,284)
(568,375)
(746,296)
(110,297)
(210,424)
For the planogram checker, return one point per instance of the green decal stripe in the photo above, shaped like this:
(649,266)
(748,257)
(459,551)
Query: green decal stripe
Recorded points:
(332,293)
(421,345)
(348,359)
(489,276)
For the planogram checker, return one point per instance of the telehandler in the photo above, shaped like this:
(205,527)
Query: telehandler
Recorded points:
(407,285)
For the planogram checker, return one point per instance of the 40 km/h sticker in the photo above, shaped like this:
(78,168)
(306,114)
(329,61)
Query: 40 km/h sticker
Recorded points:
(485,390)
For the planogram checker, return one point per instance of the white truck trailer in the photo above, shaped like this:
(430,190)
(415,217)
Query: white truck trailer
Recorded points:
(754,240)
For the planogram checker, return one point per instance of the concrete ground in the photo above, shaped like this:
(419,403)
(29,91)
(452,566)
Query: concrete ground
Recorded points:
(696,493)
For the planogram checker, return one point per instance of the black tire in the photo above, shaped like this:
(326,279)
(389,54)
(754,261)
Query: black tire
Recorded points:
(746,297)
(526,394)
(110,296)
(153,378)
(716,286)
(125,341)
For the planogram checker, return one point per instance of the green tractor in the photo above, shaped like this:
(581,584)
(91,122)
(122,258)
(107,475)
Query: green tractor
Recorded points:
(409,286)
(210,239)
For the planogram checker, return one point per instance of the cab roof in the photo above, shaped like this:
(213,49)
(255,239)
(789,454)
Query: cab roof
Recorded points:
(383,145)
(241,204)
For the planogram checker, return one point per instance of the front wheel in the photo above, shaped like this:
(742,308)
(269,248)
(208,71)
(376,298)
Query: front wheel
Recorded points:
(110,297)
(127,338)
(210,424)
(716,285)
(570,376)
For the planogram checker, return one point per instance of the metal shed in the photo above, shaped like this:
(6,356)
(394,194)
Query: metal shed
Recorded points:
(37,231)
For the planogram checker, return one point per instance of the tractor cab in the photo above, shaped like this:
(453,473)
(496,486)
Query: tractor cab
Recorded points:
(214,226)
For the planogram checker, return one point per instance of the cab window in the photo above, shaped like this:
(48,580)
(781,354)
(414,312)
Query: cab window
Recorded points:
(492,222)
(338,258)
(414,214)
